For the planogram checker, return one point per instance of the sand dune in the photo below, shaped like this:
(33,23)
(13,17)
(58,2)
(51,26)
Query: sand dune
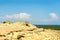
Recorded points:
(26,31)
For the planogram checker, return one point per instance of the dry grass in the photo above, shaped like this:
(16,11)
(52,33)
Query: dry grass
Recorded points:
(31,32)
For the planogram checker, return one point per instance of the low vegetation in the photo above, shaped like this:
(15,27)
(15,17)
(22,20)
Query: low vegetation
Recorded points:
(53,27)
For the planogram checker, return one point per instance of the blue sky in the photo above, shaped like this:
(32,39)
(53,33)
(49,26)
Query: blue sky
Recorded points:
(35,11)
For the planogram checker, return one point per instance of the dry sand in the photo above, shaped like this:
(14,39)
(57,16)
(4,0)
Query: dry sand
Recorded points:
(26,31)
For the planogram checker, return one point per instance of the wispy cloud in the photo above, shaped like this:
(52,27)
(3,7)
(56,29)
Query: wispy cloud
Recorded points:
(27,17)
(22,16)
(53,16)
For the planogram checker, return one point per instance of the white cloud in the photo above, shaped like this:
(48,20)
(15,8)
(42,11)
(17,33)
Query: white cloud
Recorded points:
(22,16)
(53,16)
